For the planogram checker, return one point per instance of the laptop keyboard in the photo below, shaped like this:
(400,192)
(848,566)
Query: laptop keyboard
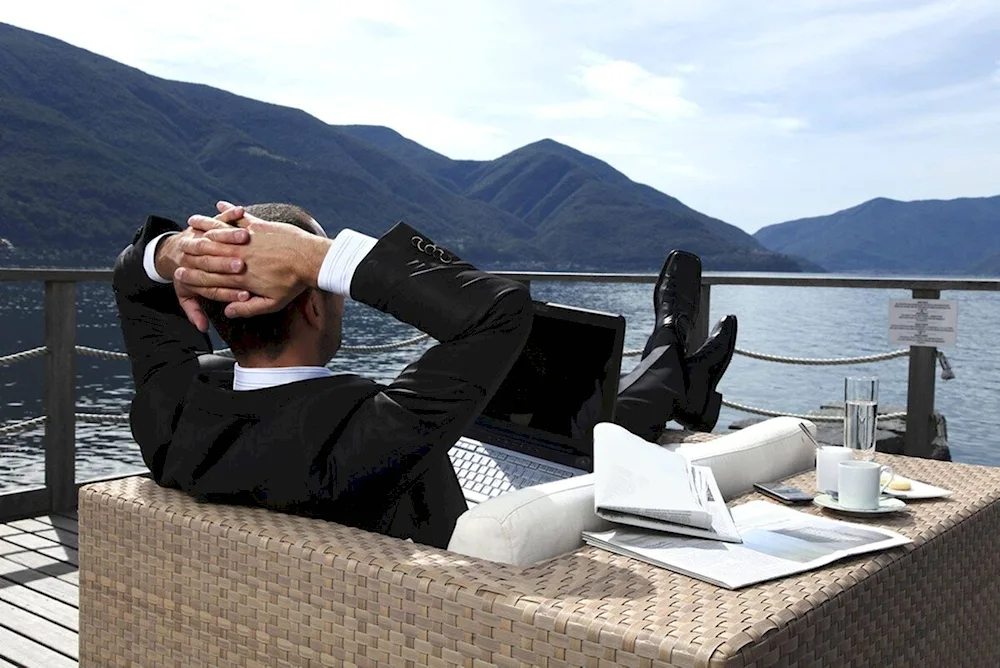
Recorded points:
(486,471)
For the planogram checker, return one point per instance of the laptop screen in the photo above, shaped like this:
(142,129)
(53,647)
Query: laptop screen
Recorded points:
(563,383)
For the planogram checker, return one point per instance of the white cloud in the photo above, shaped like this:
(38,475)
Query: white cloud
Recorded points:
(655,97)
(790,124)
(622,89)
(580,109)
(752,112)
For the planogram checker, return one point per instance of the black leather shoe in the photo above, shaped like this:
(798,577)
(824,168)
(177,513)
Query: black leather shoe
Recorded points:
(705,369)
(677,296)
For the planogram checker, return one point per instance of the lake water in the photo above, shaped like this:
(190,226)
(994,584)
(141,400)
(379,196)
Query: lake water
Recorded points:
(800,322)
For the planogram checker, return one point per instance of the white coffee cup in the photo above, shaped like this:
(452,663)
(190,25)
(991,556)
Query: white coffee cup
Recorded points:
(828,457)
(859,484)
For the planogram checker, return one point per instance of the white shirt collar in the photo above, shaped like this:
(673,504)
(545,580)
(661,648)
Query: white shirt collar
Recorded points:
(258,379)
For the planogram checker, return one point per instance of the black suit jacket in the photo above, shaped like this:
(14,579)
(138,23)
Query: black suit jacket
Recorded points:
(341,448)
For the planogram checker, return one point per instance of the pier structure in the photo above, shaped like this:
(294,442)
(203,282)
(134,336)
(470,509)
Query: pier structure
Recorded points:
(59,493)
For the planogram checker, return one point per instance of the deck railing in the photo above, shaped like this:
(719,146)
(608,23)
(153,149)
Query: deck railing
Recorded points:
(60,489)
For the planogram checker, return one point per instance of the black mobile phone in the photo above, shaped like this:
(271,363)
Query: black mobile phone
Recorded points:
(782,492)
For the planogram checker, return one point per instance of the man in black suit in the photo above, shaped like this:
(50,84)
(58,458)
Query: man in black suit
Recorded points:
(278,429)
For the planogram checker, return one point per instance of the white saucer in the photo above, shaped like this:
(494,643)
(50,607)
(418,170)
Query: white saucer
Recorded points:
(885,505)
(918,490)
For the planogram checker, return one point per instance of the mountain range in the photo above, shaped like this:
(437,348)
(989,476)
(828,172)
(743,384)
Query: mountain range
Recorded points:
(958,236)
(89,147)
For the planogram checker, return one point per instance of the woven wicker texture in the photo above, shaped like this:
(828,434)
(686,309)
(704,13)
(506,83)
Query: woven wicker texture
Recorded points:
(670,436)
(168,581)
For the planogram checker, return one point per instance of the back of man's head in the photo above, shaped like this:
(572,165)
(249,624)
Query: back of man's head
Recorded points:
(268,333)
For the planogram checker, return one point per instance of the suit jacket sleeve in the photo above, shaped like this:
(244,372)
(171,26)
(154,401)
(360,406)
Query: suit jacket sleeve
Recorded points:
(481,322)
(162,345)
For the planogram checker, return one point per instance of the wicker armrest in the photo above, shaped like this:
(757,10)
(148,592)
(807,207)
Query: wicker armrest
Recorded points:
(166,580)
(673,436)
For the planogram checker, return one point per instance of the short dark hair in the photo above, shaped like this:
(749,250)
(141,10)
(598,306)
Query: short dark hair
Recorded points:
(266,333)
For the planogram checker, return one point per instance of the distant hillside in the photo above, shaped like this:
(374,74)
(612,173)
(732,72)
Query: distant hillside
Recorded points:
(888,236)
(584,210)
(88,147)
(987,267)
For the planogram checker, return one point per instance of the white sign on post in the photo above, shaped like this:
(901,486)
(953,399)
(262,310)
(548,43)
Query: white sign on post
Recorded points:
(923,322)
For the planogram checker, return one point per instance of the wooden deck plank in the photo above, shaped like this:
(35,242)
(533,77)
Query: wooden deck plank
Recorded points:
(28,653)
(41,605)
(40,544)
(41,582)
(9,548)
(62,553)
(40,630)
(61,536)
(39,593)
(7,530)
(31,541)
(59,522)
(48,565)
(28,525)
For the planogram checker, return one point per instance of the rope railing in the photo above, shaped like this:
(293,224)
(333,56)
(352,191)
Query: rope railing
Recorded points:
(100,354)
(91,418)
(946,371)
(363,349)
(23,425)
(802,416)
(22,356)
(101,418)
(123,418)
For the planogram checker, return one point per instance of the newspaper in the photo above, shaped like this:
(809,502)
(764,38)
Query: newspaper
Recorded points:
(777,542)
(643,485)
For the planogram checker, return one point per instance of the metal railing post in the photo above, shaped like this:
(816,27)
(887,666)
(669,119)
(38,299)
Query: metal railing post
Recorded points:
(60,400)
(920,392)
(700,332)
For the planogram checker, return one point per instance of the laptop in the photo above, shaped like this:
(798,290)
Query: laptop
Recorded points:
(538,427)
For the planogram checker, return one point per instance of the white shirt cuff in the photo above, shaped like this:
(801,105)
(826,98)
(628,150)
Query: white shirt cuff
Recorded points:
(346,252)
(149,259)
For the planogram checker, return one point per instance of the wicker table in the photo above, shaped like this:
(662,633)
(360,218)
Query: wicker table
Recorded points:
(169,581)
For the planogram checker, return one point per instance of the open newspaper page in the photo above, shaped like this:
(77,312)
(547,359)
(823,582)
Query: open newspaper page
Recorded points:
(641,484)
(777,542)
(720,524)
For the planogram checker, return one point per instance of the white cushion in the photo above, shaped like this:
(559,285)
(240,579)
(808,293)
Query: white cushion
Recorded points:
(544,521)
(531,524)
(762,452)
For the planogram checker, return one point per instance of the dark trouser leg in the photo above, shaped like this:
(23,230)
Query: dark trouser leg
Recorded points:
(650,393)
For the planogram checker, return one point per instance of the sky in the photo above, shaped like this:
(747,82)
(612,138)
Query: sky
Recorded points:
(755,112)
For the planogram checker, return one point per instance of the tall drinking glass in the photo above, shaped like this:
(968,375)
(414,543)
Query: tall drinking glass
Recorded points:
(860,411)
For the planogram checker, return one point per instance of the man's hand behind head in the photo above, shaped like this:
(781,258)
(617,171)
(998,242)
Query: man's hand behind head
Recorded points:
(169,255)
(276,265)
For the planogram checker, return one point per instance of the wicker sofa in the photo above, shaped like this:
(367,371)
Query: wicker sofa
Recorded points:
(168,581)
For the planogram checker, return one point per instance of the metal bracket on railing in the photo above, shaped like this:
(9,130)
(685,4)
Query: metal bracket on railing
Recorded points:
(946,372)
